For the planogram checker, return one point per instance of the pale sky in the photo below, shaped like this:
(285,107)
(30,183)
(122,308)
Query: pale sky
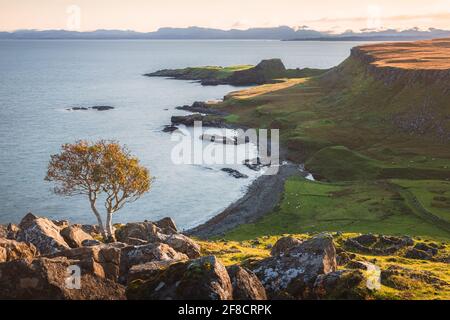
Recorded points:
(149,15)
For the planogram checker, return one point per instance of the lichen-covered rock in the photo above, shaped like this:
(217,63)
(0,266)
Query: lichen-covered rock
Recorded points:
(181,243)
(147,270)
(74,236)
(341,285)
(283,245)
(12,250)
(134,255)
(41,232)
(45,278)
(292,274)
(246,285)
(201,279)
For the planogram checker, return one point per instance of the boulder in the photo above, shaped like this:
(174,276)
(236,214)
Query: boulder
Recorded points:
(146,231)
(48,279)
(12,250)
(41,232)
(291,275)
(135,255)
(181,243)
(74,236)
(246,285)
(428,248)
(148,270)
(414,253)
(283,245)
(201,279)
(102,261)
(164,233)
(167,225)
(341,285)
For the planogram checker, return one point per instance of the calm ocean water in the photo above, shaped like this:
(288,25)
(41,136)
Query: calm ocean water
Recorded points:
(40,79)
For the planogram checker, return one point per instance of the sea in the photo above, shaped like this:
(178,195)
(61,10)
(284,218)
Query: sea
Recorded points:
(41,79)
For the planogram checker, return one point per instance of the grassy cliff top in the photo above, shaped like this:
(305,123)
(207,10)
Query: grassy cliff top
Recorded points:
(379,150)
(420,55)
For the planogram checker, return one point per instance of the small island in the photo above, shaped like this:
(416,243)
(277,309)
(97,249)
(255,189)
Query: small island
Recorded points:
(267,71)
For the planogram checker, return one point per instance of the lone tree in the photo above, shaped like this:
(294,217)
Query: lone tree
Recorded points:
(99,170)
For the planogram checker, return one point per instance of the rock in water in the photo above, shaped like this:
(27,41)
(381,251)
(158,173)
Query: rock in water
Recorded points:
(246,285)
(41,232)
(291,275)
(74,236)
(234,173)
(11,250)
(46,279)
(102,108)
(201,279)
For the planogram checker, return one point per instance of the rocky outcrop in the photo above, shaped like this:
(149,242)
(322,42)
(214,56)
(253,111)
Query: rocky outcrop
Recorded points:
(11,250)
(42,233)
(102,261)
(378,244)
(207,121)
(246,285)
(201,107)
(45,278)
(74,236)
(165,233)
(292,275)
(201,279)
(265,72)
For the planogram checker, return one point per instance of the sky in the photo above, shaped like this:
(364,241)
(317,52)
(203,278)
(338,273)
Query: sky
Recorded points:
(149,15)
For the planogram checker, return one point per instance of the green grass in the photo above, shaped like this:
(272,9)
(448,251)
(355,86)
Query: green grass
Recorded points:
(365,207)
(405,286)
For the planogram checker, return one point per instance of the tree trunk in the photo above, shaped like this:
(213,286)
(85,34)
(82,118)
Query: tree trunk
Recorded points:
(99,220)
(109,227)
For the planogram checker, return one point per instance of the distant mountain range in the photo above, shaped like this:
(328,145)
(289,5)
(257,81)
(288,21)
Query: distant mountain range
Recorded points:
(198,33)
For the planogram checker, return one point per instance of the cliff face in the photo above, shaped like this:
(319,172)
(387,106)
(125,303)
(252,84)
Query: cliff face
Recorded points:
(425,62)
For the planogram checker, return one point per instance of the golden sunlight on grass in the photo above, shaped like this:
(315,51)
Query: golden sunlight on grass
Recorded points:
(429,54)
(260,90)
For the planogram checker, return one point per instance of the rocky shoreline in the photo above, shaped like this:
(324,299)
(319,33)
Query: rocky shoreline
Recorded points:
(260,198)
